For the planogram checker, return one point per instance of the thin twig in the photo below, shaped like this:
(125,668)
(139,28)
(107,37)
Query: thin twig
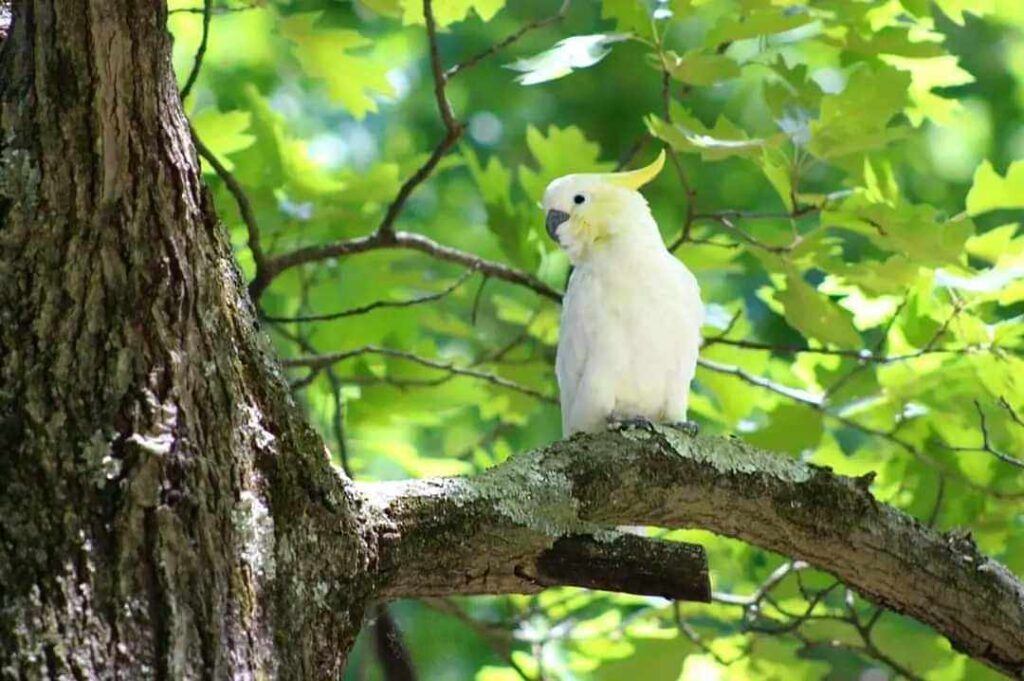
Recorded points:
(986,442)
(319,362)
(376,305)
(795,394)
(215,10)
(727,223)
(453,129)
(244,206)
(879,346)
(200,51)
(476,301)
(508,40)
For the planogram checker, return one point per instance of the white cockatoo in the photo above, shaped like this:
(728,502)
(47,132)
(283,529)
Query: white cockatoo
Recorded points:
(631,318)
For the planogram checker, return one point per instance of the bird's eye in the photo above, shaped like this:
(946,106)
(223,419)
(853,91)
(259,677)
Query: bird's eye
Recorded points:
(578,199)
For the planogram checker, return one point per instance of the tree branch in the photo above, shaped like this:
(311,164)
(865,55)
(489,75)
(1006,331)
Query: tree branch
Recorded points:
(320,362)
(401,240)
(508,40)
(370,307)
(481,534)
(197,63)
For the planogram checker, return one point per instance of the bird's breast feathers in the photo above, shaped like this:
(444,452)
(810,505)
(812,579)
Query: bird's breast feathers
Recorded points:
(629,330)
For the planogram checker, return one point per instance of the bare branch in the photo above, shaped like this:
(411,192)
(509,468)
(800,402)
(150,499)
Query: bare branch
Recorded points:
(453,130)
(402,240)
(863,355)
(197,63)
(214,10)
(390,647)
(508,40)
(244,206)
(320,362)
(795,394)
(376,305)
(986,442)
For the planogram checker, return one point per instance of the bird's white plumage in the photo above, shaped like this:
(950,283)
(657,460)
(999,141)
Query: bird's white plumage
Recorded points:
(630,334)
(631,317)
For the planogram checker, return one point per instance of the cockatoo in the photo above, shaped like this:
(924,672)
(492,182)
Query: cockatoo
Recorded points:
(632,314)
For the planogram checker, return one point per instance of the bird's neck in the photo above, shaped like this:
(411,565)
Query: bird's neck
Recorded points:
(625,252)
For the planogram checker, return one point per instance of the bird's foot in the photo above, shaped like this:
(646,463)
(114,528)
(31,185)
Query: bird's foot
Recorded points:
(624,423)
(689,427)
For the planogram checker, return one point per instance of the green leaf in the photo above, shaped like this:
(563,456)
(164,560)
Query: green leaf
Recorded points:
(793,98)
(724,140)
(731,28)
(387,8)
(568,55)
(926,76)
(324,53)
(893,40)
(696,68)
(447,12)
(630,16)
(913,230)
(856,119)
(888,277)
(955,9)
(992,192)
(509,225)
(791,428)
(777,168)
(816,316)
(561,152)
(996,243)
(224,133)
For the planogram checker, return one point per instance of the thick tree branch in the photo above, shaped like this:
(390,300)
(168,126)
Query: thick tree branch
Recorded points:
(481,534)
(628,563)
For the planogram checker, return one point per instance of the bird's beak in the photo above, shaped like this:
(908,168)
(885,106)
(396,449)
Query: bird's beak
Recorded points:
(553,220)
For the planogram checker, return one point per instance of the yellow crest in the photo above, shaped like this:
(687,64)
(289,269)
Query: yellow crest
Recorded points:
(634,179)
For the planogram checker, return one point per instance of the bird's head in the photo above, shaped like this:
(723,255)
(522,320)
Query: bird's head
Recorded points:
(588,213)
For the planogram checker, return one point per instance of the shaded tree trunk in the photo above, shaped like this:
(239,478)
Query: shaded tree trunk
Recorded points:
(154,478)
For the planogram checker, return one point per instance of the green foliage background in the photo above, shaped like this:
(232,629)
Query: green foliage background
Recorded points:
(851,199)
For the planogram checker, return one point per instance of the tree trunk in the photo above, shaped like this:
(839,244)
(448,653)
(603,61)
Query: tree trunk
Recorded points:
(154,478)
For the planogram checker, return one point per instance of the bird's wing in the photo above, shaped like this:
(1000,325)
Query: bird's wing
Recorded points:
(692,304)
(573,346)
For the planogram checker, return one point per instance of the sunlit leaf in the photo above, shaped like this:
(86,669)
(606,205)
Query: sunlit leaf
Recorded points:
(560,152)
(816,316)
(447,12)
(856,119)
(756,23)
(224,132)
(696,68)
(326,53)
(991,191)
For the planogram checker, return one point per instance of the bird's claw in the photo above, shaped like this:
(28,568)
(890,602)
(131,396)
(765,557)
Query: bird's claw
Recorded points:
(620,424)
(689,427)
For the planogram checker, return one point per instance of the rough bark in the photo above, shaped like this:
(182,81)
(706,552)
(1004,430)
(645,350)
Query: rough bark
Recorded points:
(159,496)
(667,479)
